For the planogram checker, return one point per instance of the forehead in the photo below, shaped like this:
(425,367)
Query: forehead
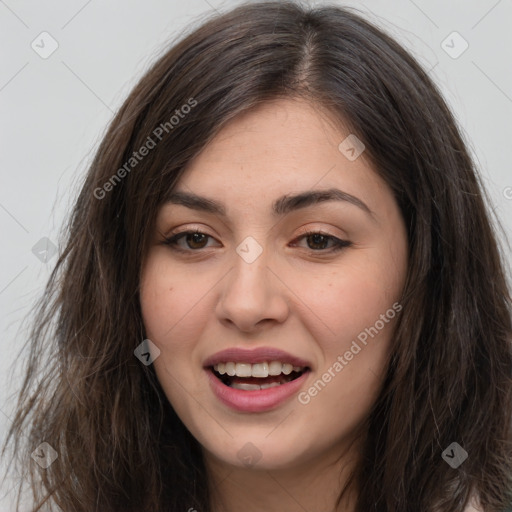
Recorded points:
(279,148)
(288,128)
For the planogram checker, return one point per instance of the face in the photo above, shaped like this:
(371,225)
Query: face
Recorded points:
(310,283)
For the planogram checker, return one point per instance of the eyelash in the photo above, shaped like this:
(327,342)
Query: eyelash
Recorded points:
(338,243)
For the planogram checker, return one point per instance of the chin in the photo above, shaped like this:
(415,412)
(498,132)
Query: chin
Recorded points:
(259,453)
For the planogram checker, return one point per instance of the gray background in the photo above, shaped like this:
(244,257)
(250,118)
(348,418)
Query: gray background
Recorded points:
(54,111)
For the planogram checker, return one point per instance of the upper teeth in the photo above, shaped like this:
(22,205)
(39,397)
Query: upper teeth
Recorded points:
(256,370)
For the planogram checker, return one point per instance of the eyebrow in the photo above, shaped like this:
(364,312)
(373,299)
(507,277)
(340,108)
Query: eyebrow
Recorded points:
(281,206)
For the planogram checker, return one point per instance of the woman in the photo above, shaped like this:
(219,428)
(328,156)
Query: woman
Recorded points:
(281,289)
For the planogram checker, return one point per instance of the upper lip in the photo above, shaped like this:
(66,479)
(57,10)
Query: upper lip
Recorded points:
(257,355)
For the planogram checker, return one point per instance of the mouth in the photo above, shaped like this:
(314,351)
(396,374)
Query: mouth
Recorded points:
(258,380)
(255,377)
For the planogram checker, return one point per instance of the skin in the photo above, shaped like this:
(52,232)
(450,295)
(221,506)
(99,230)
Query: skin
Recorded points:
(297,295)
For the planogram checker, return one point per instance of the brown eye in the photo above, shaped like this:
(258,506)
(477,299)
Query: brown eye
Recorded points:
(318,242)
(194,240)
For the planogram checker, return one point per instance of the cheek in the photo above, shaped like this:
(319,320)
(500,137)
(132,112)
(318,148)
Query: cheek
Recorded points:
(353,323)
(351,298)
(171,311)
(168,302)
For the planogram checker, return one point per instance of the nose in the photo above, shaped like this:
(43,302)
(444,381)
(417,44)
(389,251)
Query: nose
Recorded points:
(252,295)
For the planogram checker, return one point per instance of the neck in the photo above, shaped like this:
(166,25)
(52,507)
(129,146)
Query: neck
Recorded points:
(313,484)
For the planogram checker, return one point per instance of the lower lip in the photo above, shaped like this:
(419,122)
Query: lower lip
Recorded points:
(258,400)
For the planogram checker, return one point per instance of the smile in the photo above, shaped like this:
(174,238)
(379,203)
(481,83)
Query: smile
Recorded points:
(255,394)
(255,380)
(250,377)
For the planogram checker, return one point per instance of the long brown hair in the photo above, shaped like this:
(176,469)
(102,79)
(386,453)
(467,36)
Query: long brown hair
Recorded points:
(120,445)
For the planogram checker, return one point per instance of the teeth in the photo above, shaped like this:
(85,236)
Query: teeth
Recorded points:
(246,387)
(243,370)
(230,369)
(253,387)
(271,385)
(261,370)
(274,368)
(287,369)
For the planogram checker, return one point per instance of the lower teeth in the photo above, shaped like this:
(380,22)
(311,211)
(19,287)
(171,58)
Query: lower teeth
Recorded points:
(253,387)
